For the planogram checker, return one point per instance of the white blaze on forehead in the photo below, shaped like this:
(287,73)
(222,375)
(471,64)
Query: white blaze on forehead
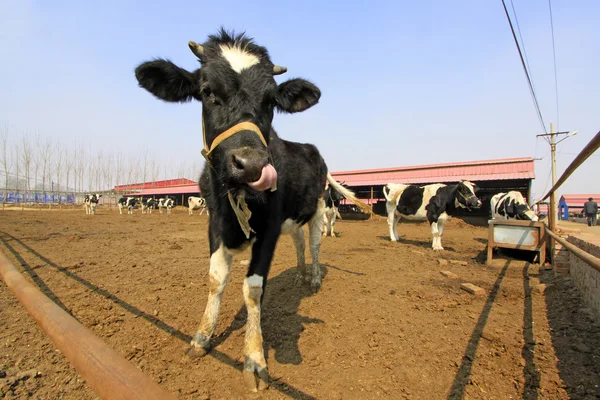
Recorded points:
(470,186)
(239,59)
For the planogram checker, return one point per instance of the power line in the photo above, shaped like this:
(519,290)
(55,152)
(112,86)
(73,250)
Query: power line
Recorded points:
(555,74)
(521,39)
(531,89)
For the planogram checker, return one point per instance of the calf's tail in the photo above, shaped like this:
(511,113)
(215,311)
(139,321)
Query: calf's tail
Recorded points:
(348,194)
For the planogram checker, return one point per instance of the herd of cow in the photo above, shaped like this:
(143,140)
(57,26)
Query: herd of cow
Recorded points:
(146,205)
(257,185)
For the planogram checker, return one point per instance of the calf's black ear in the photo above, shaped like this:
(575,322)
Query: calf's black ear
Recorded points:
(167,81)
(296,95)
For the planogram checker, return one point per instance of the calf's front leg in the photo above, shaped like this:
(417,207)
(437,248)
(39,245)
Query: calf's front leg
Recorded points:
(255,365)
(220,265)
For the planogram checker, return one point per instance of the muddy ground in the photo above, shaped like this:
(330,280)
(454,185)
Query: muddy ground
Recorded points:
(386,323)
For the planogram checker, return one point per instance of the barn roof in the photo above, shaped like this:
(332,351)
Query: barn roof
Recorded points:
(577,200)
(181,189)
(483,170)
(156,184)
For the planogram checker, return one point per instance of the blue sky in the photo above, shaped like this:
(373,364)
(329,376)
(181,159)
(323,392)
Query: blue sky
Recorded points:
(403,83)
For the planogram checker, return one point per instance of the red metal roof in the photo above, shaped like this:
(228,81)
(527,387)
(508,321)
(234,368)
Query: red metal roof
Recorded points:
(182,189)
(156,184)
(484,170)
(577,200)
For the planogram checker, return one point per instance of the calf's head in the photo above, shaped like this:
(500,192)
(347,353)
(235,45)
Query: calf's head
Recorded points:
(236,86)
(466,195)
(523,212)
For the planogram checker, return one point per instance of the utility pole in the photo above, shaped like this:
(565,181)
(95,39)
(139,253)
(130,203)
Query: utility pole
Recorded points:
(552,209)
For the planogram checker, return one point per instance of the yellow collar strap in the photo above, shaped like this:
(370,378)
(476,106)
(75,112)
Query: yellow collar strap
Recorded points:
(237,128)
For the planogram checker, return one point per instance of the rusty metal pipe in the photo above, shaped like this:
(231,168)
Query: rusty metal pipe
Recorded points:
(104,370)
(594,262)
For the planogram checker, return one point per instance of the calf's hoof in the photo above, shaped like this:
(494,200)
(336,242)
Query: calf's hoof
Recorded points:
(199,346)
(256,377)
(196,351)
(315,285)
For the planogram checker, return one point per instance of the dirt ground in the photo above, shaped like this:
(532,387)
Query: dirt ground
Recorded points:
(386,323)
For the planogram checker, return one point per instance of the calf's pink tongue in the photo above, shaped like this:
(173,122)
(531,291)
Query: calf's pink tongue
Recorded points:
(267,180)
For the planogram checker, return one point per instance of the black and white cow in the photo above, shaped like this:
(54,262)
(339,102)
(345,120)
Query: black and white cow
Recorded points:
(128,203)
(196,203)
(256,185)
(147,205)
(332,201)
(90,202)
(434,203)
(165,202)
(511,205)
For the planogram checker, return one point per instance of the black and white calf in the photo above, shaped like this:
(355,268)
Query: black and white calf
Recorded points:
(165,202)
(434,203)
(511,205)
(197,203)
(90,202)
(256,185)
(332,201)
(128,203)
(148,205)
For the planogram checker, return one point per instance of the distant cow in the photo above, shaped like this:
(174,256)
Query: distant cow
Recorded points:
(148,205)
(128,203)
(197,203)
(91,201)
(332,201)
(165,202)
(511,205)
(433,203)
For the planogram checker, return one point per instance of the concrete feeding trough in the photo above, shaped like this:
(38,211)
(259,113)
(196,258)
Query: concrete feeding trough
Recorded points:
(513,234)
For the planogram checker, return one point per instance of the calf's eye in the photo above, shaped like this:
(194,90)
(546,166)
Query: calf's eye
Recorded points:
(205,89)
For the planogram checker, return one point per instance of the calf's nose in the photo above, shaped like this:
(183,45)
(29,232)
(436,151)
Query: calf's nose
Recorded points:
(247,165)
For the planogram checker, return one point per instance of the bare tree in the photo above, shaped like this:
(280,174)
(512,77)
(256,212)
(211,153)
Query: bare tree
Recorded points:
(131,172)
(80,167)
(119,169)
(27,159)
(98,170)
(58,168)
(46,155)
(154,170)
(37,163)
(6,162)
(69,165)
(16,159)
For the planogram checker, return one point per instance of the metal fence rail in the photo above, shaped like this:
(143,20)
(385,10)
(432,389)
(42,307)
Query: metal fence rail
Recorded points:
(587,151)
(104,370)
(593,261)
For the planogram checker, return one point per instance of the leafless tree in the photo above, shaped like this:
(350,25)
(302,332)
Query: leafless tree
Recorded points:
(98,170)
(16,159)
(69,164)
(26,161)
(37,163)
(144,160)
(154,170)
(6,161)
(58,168)
(119,169)
(131,174)
(80,154)
(46,156)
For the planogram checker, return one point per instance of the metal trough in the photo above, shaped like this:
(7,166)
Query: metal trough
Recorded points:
(512,234)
